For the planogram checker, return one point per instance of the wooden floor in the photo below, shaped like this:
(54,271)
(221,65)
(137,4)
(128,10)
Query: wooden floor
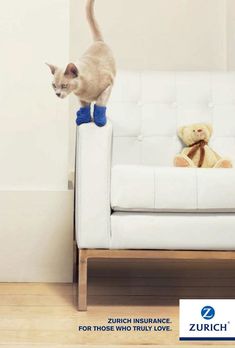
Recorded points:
(45,315)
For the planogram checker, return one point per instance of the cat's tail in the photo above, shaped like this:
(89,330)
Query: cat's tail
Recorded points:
(95,29)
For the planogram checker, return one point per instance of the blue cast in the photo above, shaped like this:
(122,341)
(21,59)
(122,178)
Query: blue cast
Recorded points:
(83,115)
(100,118)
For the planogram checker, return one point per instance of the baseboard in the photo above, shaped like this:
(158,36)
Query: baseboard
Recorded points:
(36,239)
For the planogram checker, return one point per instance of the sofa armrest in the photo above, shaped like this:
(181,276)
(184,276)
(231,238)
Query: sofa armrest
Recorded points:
(93,167)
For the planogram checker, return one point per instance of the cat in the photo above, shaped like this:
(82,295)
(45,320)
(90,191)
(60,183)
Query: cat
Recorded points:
(91,79)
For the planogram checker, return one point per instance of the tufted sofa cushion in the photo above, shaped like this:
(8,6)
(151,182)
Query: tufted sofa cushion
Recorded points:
(146,188)
(146,109)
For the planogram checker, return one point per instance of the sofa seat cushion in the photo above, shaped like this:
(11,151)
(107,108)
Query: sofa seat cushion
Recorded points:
(146,188)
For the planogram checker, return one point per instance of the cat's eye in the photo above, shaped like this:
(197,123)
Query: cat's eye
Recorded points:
(64,86)
(53,85)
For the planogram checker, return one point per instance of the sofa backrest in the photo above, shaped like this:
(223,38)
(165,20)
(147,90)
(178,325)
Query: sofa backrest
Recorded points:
(146,109)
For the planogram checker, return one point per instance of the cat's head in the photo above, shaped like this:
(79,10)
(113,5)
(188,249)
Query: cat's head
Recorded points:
(64,82)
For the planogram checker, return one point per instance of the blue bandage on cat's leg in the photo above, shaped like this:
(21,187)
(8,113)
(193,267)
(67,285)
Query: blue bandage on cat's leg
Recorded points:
(84,115)
(100,118)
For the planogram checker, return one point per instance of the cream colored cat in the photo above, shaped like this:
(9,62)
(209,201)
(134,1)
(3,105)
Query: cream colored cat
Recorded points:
(91,78)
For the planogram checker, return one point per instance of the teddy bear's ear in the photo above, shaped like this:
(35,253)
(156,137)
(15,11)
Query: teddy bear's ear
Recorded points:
(181,132)
(210,128)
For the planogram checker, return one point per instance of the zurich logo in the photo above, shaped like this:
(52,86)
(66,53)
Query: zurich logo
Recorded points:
(208,312)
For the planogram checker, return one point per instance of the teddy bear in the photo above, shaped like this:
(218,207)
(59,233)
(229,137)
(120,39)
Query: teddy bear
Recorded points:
(198,153)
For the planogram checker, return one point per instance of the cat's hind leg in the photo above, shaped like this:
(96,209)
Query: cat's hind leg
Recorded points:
(84,113)
(100,118)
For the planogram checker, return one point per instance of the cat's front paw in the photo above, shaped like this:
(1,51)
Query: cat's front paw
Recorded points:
(100,118)
(83,115)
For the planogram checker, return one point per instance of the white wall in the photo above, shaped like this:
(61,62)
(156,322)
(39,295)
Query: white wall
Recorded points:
(157,34)
(36,208)
(34,124)
(231,34)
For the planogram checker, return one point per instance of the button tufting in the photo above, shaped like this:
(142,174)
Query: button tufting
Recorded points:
(140,137)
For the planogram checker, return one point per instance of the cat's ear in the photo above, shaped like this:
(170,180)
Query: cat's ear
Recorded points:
(53,68)
(71,71)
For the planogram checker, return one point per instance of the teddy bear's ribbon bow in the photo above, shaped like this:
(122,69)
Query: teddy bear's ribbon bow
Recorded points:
(199,145)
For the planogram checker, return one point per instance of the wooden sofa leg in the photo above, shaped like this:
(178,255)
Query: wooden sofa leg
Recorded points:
(82,281)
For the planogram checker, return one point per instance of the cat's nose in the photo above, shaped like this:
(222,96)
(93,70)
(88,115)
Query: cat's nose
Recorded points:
(58,94)
(199,130)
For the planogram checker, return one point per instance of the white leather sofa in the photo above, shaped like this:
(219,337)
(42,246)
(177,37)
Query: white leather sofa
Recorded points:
(129,195)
